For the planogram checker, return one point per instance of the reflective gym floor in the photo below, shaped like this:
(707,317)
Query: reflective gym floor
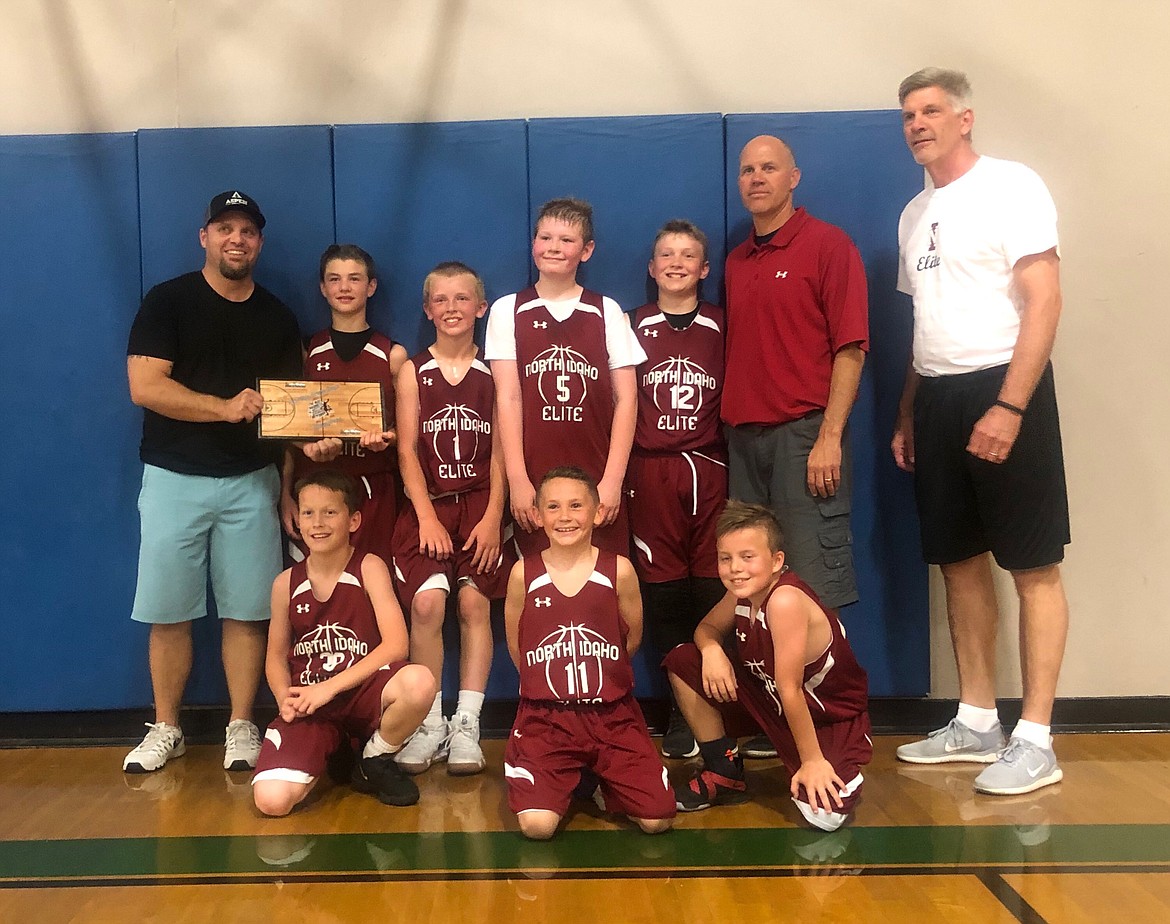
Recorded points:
(81,841)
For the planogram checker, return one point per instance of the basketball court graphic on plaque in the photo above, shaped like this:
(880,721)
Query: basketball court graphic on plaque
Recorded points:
(316,410)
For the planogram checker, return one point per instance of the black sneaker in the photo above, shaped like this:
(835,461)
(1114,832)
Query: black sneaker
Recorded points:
(707,788)
(678,742)
(382,777)
(758,748)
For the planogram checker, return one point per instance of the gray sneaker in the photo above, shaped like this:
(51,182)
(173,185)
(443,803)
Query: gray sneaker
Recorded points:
(464,755)
(241,745)
(1022,767)
(161,743)
(955,743)
(427,745)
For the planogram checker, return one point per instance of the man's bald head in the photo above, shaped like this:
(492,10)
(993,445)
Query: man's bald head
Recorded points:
(767,176)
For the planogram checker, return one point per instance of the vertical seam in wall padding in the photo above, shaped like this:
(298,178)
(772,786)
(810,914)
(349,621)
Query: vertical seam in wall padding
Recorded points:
(333,177)
(138,209)
(528,191)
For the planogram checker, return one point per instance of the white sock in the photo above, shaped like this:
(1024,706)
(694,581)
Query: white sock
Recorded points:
(977,719)
(470,702)
(435,715)
(821,818)
(377,746)
(1039,735)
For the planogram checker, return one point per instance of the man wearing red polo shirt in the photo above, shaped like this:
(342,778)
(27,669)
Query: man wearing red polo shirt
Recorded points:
(797,332)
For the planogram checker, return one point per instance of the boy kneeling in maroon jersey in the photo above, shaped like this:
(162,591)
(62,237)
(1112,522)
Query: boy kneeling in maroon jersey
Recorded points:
(574,616)
(790,672)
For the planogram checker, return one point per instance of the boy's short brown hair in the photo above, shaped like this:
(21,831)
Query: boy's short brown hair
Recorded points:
(737,515)
(348,252)
(682,226)
(573,473)
(331,480)
(448,269)
(569,210)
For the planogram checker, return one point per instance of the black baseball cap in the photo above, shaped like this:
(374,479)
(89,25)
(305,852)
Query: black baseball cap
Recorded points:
(233,199)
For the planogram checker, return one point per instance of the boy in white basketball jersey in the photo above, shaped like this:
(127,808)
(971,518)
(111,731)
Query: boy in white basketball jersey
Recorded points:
(563,358)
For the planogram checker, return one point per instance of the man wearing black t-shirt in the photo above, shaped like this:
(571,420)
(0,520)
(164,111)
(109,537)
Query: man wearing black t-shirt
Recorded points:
(210,488)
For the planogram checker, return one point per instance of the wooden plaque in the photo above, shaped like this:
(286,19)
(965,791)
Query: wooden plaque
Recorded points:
(316,410)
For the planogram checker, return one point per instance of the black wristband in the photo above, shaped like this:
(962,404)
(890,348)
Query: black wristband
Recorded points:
(1018,411)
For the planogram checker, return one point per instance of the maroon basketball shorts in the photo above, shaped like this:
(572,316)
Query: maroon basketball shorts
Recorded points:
(674,503)
(613,538)
(297,751)
(551,742)
(845,744)
(378,493)
(415,570)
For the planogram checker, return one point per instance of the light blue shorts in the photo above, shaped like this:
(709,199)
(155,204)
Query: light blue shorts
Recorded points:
(193,526)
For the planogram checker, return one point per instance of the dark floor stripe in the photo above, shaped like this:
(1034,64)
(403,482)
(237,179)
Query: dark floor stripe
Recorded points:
(990,876)
(1012,900)
(587,852)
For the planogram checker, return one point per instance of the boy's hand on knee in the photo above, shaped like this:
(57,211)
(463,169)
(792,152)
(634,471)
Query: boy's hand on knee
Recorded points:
(307,700)
(718,675)
(485,538)
(821,784)
(434,540)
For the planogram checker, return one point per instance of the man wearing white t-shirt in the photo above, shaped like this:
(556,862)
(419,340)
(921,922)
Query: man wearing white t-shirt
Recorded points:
(978,424)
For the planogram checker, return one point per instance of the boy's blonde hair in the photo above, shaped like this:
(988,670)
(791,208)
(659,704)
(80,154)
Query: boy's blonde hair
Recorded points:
(569,210)
(448,269)
(737,515)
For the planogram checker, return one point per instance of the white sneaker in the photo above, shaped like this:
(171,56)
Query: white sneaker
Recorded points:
(427,745)
(161,743)
(464,756)
(241,745)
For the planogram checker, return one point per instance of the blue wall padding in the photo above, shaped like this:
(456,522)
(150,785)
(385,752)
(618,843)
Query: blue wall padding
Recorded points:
(68,554)
(108,216)
(856,173)
(287,169)
(637,172)
(415,195)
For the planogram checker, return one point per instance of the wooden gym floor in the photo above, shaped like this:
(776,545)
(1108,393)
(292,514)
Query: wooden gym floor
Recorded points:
(81,841)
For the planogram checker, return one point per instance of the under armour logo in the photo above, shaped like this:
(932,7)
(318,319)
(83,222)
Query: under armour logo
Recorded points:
(540,325)
(782,274)
(427,380)
(322,366)
(542,601)
(302,607)
(742,636)
(649,332)
(630,492)
(516,734)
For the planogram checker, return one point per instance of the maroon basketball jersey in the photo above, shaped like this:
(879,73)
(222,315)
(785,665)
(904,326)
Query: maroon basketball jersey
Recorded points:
(681,382)
(835,685)
(564,384)
(454,426)
(573,649)
(372,364)
(329,635)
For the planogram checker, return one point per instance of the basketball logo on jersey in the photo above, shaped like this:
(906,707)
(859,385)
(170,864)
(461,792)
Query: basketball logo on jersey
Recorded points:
(758,671)
(676,386)
(574,662)
(454,432)
(562,381)
(328,649)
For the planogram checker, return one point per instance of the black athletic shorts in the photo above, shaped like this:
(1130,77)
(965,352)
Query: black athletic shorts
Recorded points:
(1017,509)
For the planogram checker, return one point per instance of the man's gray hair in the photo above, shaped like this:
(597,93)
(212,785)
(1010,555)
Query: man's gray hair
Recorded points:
(953,83)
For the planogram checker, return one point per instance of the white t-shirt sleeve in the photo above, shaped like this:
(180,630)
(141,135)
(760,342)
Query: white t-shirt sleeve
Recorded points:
(620,341)
(1030,222)
(500,340)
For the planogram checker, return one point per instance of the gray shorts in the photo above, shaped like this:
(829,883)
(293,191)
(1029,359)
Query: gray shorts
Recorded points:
(769,466)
